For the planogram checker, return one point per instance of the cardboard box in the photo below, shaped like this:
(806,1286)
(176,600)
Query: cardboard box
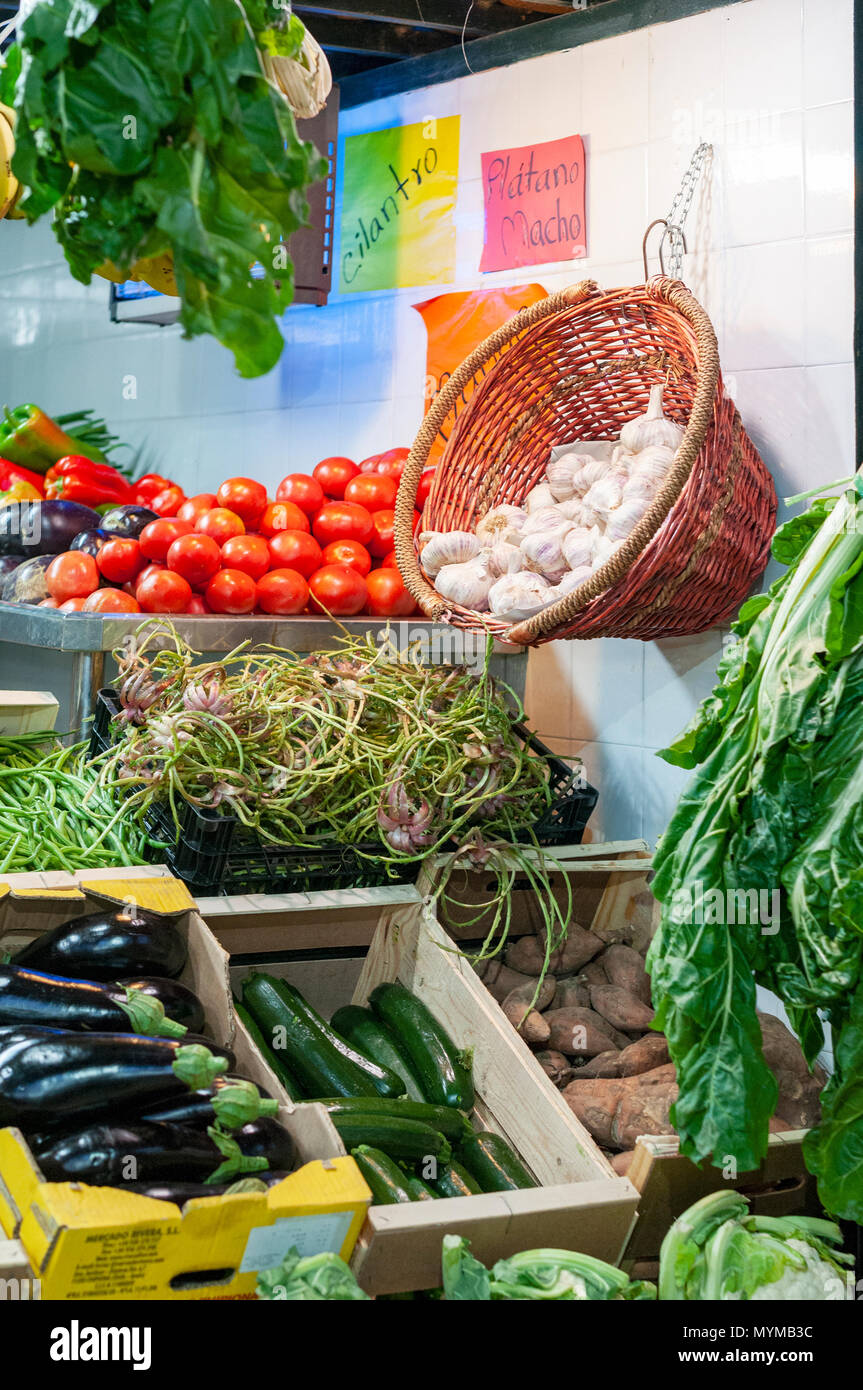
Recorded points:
(27,711)
(100,1243)
(18,1283)
(579,1202)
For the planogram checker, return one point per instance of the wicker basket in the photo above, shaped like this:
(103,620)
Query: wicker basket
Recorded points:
(579,365)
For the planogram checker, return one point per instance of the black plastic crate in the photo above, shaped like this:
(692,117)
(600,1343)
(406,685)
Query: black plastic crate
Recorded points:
(213,854)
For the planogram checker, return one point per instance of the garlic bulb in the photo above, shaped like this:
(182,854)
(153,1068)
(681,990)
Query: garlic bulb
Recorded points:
(546,520)
(578,545)
(641,485)
(502,558)
(467,584)
(560,473)
(652,427)
(590,472)
(621,460)
(625,518)
(519,596)
(439,548)
(503,523)
(580,514)
(539,497)
(606,494)
(544,554)
(653,462)
(572,579)
(603,551)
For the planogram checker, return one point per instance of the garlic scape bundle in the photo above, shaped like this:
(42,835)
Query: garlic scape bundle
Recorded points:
(520,559)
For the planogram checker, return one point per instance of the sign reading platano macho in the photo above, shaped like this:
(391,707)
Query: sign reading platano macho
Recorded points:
(397,225)
(534,204)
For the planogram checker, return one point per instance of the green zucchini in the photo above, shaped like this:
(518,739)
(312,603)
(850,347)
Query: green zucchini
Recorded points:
(419,1190)
(443,1070)
(411,1139)
(386,1082)
(319,1066)
(454,1180)
(371,1037)
(443,1118)
(496,1167)
(385,1178)
(289,1081)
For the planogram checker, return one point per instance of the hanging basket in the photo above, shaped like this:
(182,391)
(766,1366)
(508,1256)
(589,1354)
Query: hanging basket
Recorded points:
(577,366)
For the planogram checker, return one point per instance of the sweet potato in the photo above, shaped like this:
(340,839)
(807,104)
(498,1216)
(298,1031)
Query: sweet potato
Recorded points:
(595,1103)
(555,1066)
(594,973)
(532,1026)
(621,1009)
(499,979)
(799,1102)
(643,1110)
(616,1111)
(580,1033)
(622,1162)
(524,993)
(571,993)
(649,1052)
(624,967)
(604,1064)
(527,953)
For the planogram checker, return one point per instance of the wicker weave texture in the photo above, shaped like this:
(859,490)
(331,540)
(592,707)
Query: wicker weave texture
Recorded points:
(579,365)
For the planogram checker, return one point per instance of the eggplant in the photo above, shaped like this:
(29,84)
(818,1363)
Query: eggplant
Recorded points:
(108,946)
(176,999)
(26,582)
(8,563)
(45,528)
(30,996)
(49,1079)
(179,1192)
(105,1153)
(91,542)
(218,1049)
(229,1101)
(128,521)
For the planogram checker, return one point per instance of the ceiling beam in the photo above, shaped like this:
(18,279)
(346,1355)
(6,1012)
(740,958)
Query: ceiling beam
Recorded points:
(383,40)
(445,15)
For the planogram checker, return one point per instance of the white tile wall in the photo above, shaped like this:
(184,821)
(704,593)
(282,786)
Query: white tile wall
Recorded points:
(769,82)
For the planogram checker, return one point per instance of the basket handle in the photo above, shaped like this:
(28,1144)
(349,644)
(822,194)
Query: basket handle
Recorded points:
(674,292)
(426,596)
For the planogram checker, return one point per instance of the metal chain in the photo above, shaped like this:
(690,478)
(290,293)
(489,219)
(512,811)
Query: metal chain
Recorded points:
(679,211)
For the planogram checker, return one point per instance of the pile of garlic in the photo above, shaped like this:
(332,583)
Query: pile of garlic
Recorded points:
(521,559)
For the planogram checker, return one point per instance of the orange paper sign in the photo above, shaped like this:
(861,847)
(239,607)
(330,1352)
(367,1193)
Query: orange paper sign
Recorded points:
(534,204)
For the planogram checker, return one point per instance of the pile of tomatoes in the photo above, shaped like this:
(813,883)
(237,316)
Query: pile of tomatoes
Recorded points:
(324,544)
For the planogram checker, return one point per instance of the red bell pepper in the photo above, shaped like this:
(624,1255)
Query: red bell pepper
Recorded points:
(79,479)
(12,472)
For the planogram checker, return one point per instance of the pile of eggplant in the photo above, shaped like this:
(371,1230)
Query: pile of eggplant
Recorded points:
(107,1072)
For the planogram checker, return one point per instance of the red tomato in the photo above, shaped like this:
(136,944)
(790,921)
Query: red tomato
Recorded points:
(370,465)
(150,486)
(334,474)
(372,491)
(73,575)
(243,496)
(250,554)
(157,537)
(163,591)
(392,463)
(52,603)
(338,590)
(389,562)
(381,542)
(145,574)
(196,605)
(343,521)
(195,557)
(231,591)
(424,486)
(305,492)
(120,561)
(221,524)
(388,597)
(72,605)
(283,516)
(295,550)
(110,601)
(168,502)
(349,553)
(194,507)
(284,592)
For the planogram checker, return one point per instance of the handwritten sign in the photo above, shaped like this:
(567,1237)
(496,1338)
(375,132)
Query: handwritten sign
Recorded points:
(534,204)
(397,225)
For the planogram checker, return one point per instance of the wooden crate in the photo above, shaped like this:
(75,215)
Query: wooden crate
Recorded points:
(580,1203)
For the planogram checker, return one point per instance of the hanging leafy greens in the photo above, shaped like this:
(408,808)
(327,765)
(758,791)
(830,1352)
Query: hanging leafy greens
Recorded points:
(776,808)
(148,127)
